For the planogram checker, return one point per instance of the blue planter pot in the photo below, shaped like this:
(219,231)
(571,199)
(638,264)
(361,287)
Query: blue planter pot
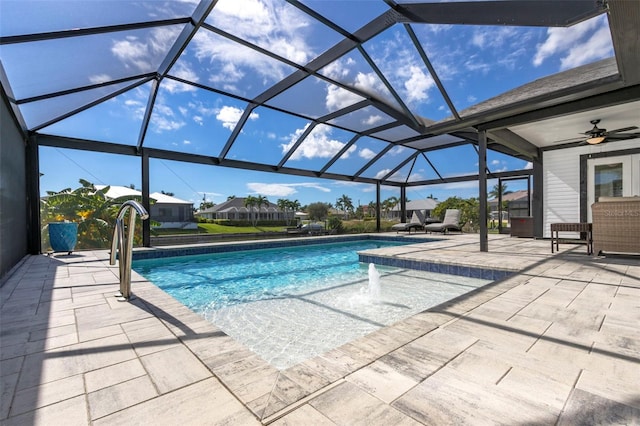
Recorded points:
(63,236)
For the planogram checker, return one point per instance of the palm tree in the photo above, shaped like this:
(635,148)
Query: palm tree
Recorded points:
(498,190)
(384,205)
(249,203)
(260,201)
(389,204)
(345,204)
(372,208)
(339,204)
(283,204)
(288,206)
(295,206)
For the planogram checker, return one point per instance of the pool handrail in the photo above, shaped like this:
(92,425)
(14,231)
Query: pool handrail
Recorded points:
(123,245)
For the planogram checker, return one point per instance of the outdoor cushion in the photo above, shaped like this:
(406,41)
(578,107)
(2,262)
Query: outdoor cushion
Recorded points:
(451,222)
(416,222)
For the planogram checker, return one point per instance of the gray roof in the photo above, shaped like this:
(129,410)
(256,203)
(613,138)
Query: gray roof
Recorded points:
(422,204)
(237,202)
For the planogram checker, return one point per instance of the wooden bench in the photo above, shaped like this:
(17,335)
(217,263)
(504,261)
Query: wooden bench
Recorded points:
(585,230)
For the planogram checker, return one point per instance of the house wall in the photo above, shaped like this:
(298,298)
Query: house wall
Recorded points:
(13,193)
(163,212)
(561,171)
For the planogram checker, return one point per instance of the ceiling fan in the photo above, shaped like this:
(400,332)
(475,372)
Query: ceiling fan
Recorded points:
(597,135)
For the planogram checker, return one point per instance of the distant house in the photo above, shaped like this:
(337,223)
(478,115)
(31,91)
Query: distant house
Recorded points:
(517,204)
(425,206)
(168,211)
(234,209)
(171,212)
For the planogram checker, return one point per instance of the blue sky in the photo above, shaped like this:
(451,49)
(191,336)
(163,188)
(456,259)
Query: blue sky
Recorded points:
(474,63)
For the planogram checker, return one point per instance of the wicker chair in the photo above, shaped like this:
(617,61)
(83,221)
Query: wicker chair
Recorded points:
(616,225)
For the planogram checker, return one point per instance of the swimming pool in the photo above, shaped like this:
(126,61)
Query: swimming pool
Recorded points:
(292,303)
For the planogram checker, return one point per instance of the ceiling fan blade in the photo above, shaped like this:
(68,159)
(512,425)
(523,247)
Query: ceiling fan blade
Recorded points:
(624,129)
(623,136)
(569,140)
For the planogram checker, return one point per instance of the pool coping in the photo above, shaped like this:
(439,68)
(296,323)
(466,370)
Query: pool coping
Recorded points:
(225,247)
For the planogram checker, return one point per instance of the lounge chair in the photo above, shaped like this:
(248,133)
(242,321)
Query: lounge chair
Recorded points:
(451,222)
(416,223)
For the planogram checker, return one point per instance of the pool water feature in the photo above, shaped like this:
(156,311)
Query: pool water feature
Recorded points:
(292,303)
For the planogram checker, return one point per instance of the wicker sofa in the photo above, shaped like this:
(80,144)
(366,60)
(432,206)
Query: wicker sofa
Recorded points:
(616,225)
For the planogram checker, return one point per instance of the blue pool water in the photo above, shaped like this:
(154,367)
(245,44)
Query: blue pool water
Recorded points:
(220,280)
(292,303)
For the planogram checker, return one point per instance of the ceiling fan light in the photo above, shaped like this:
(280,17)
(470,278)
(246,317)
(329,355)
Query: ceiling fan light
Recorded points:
(595,140)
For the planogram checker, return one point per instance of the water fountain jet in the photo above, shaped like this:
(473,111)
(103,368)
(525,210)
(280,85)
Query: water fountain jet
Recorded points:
(374,283)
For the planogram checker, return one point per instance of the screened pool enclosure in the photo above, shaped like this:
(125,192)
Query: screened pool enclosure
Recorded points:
(391,94)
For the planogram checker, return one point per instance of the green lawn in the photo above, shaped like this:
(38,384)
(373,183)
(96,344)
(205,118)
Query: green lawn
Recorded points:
(350,227)
(214,228)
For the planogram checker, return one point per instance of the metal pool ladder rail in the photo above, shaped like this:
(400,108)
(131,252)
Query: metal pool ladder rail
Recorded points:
(124,245)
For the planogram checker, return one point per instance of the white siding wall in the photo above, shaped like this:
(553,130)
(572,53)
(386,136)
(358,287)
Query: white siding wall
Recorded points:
(561,184)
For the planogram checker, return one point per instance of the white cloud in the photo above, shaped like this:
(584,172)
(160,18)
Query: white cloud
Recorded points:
(278,27)
(186,142)
(183,71)
(528,166)
(200,108)
(382,173)
(598,46)
(495,162)
(372,119)
(356,186)
(572,39)
(163,123)
(418,85)
(476,65)
(99,78)
(230,62)
(229,116)
(366,153)
(145,54)
(404,69)
(495,37)
(318,144)
(271,189)
(282,189)
(163,118)
(369,83)
(338,70)
(396,150)
(338,98)
(132,52)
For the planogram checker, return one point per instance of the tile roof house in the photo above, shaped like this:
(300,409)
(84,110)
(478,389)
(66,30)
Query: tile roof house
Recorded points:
(235,209)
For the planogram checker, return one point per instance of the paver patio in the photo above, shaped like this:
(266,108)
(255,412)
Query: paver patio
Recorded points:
(558,342)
